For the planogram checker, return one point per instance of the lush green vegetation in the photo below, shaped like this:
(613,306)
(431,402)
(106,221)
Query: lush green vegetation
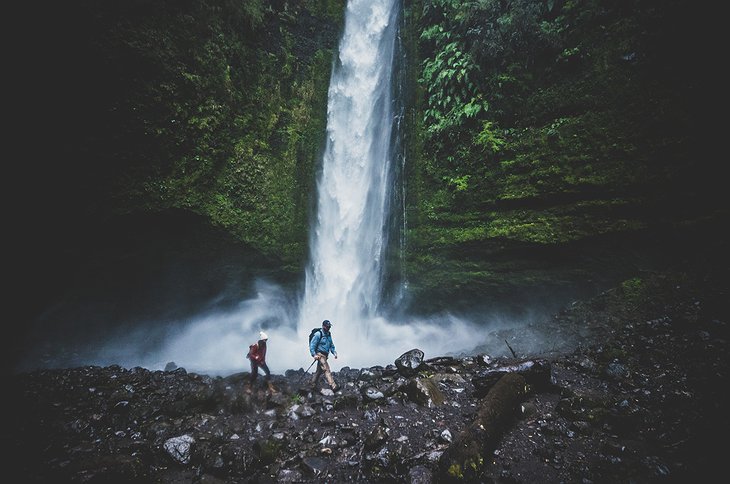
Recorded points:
(544,123)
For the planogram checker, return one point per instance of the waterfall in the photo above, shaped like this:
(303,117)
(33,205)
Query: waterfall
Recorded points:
(350,231)
(358,190)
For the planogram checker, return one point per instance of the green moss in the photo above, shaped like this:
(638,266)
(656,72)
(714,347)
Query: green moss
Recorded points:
(268,451)
(455,471)
(472,464)
(476,463)
(633,290)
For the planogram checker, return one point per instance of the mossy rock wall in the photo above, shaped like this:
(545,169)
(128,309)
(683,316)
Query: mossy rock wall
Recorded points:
(556,146)
(217,108)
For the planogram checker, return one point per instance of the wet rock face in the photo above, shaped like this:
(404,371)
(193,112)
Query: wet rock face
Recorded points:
(410,362)
(641,402)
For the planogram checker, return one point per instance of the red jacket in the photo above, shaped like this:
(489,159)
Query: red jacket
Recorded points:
(257,353)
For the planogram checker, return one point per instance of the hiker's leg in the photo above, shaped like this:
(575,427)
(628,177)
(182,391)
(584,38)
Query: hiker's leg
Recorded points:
(328,373)
(252,377)
(317,373)
(267,378)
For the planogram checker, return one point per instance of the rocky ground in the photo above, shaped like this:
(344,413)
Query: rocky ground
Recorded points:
(641,399)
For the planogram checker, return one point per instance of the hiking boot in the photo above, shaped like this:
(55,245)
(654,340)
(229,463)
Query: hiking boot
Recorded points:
(336,388)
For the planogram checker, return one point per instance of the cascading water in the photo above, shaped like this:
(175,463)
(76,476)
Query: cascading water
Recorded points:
(344,279)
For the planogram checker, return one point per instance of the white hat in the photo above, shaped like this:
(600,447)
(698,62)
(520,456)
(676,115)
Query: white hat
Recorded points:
(263,336)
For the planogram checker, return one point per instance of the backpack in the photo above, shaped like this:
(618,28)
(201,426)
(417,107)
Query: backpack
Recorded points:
(311,333)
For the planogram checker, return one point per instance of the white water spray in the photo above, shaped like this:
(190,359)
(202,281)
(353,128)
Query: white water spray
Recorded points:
(343,282)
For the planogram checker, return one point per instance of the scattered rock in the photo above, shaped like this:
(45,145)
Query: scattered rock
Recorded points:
(641,399)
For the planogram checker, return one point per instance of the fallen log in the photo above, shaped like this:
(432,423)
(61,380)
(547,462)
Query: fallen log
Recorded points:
(465,458)
(537,373)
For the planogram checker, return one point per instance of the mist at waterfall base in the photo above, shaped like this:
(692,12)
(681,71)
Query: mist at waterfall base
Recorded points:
(215,342)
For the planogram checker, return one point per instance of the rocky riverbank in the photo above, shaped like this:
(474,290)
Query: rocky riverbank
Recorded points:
(641,398)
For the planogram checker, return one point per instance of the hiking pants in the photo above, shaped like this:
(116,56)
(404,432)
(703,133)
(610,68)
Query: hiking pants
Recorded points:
(255,371)
(323,367)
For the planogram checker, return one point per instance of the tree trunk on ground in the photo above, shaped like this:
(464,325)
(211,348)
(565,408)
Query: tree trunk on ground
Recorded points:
(537,374)
(470,451)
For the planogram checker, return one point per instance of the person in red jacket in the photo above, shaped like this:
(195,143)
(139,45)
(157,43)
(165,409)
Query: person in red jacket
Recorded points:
(257,357)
